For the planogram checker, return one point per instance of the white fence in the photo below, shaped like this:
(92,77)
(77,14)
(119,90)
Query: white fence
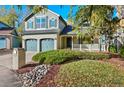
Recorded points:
(88,47)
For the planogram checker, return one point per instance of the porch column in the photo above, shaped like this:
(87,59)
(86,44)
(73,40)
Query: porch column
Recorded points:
(38,45)
(23,43)
(55,43)
(60,42)
(80,44)
(72,43)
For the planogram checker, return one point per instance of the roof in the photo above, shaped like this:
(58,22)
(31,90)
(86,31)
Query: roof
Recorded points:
(6,29)
(32,14)
(68,31)
(4,26)
(51,31)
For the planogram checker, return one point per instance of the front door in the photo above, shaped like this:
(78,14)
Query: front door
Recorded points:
(69,42)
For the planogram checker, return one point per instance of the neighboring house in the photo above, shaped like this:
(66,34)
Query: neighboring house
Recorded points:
(8,37)
(49,31)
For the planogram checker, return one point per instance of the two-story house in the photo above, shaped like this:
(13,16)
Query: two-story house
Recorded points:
(49,31)
(42,31)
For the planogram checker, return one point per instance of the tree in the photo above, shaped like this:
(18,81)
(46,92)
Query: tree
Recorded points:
(100,18)
(8,17)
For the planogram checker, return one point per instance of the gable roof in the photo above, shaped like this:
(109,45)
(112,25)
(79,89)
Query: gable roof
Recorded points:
(4,26)
(6,29)
(32,14)
(68,30)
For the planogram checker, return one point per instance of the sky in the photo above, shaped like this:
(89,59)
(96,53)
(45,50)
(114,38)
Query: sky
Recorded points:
(61,10)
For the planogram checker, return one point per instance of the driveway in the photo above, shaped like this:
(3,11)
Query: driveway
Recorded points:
(6,60)
(8,78)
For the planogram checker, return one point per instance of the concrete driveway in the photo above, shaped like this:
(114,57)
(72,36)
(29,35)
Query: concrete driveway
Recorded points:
(6,60)
(8,78)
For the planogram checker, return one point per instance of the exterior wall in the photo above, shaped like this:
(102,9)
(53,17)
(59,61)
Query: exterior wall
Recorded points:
(9,42)
(39,37)
(58,42)
(61,25)
(63,42)
(46,13)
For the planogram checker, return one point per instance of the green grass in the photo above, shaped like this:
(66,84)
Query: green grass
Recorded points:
(88,73)
(62,56)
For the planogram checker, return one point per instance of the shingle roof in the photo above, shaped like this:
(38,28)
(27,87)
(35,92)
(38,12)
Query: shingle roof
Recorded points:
(4,26)
(68,30)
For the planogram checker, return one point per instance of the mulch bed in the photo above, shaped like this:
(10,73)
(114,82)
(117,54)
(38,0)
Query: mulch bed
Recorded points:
(26,68)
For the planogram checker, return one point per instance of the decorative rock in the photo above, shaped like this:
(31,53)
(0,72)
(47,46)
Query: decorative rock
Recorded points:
(33,77)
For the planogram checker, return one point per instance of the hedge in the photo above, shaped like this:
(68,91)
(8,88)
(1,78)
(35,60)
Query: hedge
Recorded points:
(62,56)
(122,51)
(112,49)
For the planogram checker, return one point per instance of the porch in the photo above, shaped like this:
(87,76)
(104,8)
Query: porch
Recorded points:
(72,42)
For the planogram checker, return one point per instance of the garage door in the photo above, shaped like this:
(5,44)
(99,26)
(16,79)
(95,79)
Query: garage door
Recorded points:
(2,42)
(47,44)
(31,45)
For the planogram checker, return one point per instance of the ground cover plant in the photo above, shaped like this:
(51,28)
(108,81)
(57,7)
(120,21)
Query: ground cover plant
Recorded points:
(89,73)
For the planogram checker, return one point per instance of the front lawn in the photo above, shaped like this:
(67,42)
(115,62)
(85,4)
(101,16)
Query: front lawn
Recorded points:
(89,73)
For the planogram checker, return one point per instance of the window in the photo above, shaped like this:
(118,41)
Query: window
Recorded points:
(53,22)
(37,22)
(30,24)
(41,22)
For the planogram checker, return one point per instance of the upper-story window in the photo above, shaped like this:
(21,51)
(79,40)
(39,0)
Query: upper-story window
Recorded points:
(41,22)
(30,24)
(53,22)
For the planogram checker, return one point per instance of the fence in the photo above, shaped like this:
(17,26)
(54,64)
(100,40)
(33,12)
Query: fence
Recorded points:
(88,47)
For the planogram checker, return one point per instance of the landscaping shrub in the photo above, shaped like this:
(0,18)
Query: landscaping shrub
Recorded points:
(122,51)
(112,49)
(89,73)
(61,56)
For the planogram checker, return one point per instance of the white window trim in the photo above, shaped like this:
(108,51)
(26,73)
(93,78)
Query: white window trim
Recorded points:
(56,22)
(40,23)
(27,25)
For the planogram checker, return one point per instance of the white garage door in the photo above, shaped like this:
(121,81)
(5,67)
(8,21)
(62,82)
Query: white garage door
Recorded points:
(31,45)
(47,44)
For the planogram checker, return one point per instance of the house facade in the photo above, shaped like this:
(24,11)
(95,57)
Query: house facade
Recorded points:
(47,30)
(8,37)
